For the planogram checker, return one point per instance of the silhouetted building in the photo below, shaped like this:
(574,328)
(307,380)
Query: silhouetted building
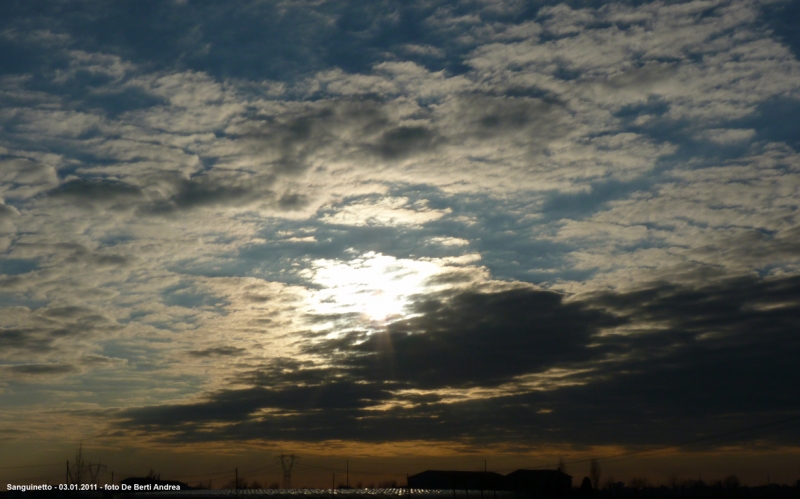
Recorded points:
(550,483)
(457,480)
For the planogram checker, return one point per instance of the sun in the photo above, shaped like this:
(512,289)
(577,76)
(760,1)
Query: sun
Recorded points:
(374,285)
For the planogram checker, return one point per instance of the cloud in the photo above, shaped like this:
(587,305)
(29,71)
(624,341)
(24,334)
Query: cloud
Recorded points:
(659,365)
(22,178)
(384,211)
(404,141)
(41,369)
(374,221)
(87,192)
(24,339)
(218,351)
(37,373)
(475,339)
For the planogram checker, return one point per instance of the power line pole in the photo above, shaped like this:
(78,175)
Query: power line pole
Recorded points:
(287,462)
(484,479)
(347,476)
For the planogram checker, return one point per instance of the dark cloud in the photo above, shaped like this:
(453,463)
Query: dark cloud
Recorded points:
(477,339)
(201,193)
(534,121)
(30,339)
(114,103)
(287,143)
(73,253)
(694,362)
(731,309)
(293,201)
(238,405)
(720,357)
(42,369)
(48,328)
(405,141)
(226,351)
(89,192)
(71,312)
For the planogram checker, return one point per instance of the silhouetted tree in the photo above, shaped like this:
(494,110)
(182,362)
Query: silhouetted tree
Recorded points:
(638,483)
(731,482)
(586,486)
(78,468)
(562,466)
(232,484)
(594,473)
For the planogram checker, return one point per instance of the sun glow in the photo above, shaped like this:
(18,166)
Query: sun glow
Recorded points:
(374,285)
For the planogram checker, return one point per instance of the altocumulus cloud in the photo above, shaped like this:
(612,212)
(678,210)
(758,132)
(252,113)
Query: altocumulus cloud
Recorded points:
(563,209)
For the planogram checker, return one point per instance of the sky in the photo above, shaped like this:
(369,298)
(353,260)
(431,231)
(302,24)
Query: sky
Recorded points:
(413,234)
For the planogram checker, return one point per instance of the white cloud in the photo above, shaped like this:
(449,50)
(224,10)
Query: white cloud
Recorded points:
(385,211)
(728,135)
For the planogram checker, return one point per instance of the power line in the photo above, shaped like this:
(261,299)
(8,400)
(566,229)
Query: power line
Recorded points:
(360,472)
(29,466)
(319,467)
(262,469)
(230,472)
(40,477)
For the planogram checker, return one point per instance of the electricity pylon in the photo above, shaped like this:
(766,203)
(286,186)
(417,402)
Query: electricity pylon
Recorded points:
(94,470)
(287,461)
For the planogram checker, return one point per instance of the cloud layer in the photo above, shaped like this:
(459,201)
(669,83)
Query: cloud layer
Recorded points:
(391,221)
